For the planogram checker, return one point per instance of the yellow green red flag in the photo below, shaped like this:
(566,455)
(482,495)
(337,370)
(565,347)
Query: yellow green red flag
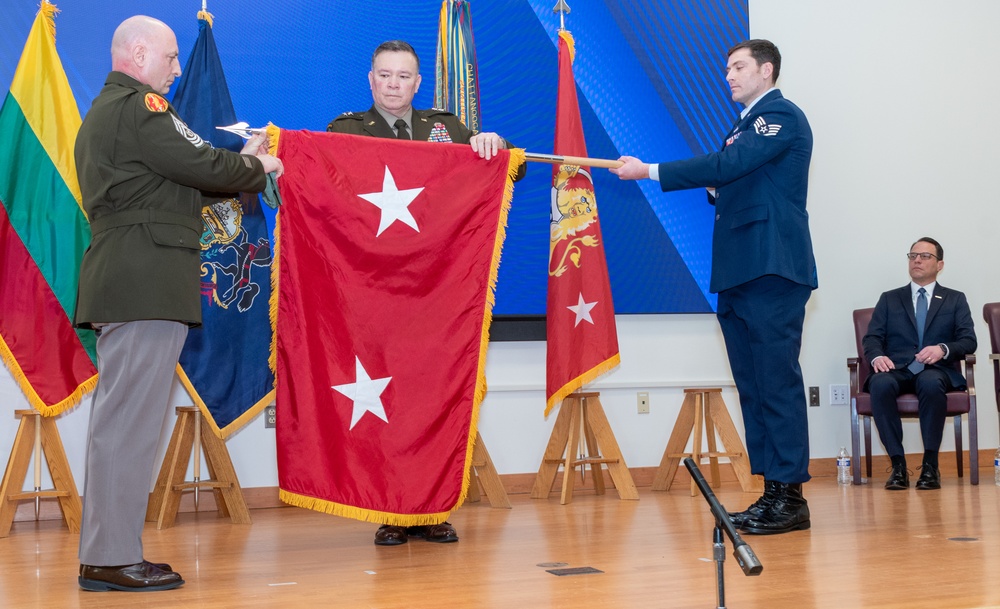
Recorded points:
(43,229)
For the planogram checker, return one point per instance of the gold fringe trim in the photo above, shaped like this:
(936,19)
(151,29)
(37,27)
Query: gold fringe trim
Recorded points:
(565,35)
(273,138)
(356,513)
(272,360)
(514,161)
(48,12)
(206,16)
(585,378)
(238,424)
(36,402)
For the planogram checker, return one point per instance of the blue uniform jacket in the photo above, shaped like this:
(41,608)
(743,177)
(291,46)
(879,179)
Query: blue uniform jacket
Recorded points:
(760,177)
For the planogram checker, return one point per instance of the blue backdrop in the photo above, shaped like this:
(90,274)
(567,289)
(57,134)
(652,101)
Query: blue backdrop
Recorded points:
(651,83)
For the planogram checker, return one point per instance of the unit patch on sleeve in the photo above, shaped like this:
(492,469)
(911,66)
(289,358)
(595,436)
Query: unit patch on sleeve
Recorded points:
(155,103)
(761,127)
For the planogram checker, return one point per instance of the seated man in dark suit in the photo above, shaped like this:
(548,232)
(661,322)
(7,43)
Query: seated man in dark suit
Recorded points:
(916,335)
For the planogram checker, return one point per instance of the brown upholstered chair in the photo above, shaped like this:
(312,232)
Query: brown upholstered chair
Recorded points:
(959,403)
(991,313)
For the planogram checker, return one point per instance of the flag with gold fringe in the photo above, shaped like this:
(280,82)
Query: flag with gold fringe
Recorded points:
(457,86)
(43,230)
(580,315)
(387,260)
(224,363)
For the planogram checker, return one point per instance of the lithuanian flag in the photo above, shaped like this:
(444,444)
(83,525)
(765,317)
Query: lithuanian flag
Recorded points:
(43,230)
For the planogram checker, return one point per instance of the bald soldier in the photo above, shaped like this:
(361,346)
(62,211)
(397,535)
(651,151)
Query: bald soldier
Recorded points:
(144,176)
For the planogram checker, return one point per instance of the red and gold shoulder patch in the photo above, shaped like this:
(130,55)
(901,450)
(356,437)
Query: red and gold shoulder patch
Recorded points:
(155,103)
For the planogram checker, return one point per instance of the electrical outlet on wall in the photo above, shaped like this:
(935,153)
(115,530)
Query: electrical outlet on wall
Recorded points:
(642,400)
(838,395)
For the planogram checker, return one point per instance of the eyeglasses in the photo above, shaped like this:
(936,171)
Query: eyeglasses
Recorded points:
(921,255)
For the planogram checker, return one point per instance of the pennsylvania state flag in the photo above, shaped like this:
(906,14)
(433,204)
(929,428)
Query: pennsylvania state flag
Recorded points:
(224,364)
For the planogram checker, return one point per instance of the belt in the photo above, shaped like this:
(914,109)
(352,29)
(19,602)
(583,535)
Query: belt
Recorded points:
(143,216)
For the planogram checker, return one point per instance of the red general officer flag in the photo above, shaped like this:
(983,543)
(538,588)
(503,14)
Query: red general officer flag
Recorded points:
(387,257)
(582,337)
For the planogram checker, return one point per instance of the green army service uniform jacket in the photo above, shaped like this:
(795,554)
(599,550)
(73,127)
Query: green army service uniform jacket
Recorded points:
(440,125)
(145,177)
(428,126)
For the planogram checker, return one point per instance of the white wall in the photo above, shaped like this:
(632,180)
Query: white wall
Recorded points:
(900,96)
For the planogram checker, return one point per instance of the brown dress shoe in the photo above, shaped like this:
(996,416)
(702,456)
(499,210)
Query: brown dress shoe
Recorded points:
(140,577)
(438,533)
(390,535)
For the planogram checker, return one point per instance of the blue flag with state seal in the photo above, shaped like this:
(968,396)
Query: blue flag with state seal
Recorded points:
(224,364)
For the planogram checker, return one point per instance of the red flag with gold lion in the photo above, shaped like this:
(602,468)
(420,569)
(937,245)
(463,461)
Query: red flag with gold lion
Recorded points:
(582,337)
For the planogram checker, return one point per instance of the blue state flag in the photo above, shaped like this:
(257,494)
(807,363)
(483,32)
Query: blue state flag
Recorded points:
(224,364)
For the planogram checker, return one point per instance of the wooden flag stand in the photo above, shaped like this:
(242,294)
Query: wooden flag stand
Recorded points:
(484,471)
(705,404)
(582,421)
(189,431)
(37,434)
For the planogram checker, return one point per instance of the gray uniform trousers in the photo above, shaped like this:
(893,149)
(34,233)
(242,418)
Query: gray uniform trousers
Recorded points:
(136,362)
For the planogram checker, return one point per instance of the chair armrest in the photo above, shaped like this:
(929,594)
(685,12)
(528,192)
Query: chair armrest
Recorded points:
(970,374)
(852,367)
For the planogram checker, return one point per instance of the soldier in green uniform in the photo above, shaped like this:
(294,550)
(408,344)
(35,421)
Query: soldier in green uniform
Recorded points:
(144,177)
(394,80)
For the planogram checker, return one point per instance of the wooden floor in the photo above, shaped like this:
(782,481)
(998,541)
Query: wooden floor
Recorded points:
(868,548)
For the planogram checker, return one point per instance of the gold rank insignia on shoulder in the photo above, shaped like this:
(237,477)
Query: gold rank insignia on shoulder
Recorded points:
(370,123)
(155,103)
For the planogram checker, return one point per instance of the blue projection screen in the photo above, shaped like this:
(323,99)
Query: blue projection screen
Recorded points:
(650,77)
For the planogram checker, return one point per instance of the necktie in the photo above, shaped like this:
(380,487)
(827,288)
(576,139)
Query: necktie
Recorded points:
(401,133)
(921,315)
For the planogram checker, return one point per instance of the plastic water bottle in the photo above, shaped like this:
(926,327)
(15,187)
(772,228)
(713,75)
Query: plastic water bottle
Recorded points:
(996,467)
(844,466)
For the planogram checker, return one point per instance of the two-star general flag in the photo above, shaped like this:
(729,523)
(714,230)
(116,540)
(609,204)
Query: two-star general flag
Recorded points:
(457,85)
(43,230)
(387,258)
(581,332)
(225,362)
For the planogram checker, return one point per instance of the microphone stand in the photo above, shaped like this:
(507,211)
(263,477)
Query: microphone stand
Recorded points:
(741,550)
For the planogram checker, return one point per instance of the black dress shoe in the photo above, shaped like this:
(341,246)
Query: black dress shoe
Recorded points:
(140,577)
(757,508)
(438,533)
(899,479)
(390,535)
(788,512)
(930,478)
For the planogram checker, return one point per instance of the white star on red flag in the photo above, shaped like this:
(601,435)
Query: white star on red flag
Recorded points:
(582,310)
(365,393)
(394,203)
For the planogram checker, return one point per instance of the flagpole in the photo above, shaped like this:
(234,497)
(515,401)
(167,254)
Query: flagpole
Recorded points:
(559,159)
